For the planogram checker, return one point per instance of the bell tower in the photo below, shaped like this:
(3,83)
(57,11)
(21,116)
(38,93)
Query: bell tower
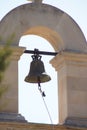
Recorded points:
(66,37)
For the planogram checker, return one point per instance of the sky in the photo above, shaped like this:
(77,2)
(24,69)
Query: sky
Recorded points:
(31,105)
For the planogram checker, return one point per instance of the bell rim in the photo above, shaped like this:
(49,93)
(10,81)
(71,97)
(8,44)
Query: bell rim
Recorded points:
(34,79)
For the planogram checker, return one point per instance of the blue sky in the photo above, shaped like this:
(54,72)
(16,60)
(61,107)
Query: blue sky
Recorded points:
(30,102)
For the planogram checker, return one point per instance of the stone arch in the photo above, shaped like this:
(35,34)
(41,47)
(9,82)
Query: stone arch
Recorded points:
(28,16)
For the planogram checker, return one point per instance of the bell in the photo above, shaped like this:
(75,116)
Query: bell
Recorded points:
(37,72)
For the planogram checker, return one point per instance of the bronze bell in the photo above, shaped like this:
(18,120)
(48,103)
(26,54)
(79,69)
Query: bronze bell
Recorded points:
(37,72)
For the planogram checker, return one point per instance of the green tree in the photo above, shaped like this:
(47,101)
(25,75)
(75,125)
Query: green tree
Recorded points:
(5,53)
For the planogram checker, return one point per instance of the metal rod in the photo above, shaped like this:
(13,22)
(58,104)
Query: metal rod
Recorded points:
(36,51)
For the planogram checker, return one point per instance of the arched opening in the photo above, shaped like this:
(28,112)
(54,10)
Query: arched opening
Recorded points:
(31,104)
(49,34)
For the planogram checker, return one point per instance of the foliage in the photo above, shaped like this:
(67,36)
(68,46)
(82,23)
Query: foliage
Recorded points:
(5,53)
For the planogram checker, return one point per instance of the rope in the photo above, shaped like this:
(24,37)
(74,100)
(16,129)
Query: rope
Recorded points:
(43,95)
